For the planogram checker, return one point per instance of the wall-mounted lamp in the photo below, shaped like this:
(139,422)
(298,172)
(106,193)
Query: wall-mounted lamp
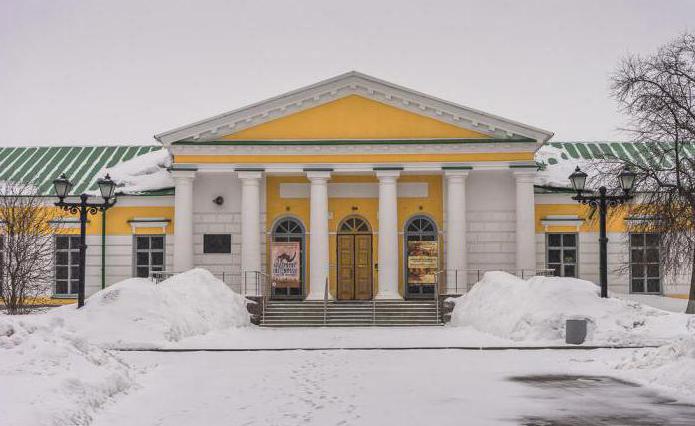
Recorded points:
(219,200)
(355,208)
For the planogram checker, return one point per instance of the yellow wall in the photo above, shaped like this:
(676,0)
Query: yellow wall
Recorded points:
(354,117)
(117,220)
(340,208)
(615,223)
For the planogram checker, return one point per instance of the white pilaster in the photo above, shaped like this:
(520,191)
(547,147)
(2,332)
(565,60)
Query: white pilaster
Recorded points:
(525,221)
(388,235)
(250,223)
(318,235)
(456,262)
(183,219)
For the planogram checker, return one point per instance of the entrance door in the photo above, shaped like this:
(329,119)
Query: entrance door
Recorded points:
(354,260)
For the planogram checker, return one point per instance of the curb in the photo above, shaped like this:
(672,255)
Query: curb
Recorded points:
(406,348)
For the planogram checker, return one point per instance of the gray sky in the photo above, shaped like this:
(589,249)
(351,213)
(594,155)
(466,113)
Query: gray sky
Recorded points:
(117,72)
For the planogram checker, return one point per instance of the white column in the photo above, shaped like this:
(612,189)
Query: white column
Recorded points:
(183,219)
(250,224)
(388,235)
(318,235)
(525,221)
(456,262)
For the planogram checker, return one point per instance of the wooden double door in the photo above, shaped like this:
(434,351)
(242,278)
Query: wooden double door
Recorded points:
(354,266)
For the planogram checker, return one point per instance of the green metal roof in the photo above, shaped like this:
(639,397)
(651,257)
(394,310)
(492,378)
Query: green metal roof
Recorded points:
(81,164)
(636,152)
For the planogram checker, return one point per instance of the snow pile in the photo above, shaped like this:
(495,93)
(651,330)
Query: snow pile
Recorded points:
(671,367)
(535,310)
(52,376)
(139,313)
(145,172)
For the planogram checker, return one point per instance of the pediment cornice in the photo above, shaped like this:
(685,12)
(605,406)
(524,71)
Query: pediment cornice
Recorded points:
(352,83)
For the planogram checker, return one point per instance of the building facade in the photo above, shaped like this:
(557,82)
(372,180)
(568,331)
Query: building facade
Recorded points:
(352,188)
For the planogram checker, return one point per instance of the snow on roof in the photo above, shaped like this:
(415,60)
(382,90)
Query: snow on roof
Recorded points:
(83,165)
(144,173)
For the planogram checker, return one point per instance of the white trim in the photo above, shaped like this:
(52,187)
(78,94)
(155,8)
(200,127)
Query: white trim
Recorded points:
(66,223)
(352,83)
(562,220)
(149,222)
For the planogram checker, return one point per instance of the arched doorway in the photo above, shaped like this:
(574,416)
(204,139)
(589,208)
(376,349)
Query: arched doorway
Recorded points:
(421,259)
(354,259)
(290,230)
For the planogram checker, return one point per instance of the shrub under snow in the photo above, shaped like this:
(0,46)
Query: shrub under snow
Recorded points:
(139,313)
(536,310)
(51,376)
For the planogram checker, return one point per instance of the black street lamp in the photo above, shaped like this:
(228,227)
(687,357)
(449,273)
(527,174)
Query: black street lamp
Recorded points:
(602,202)
(62,188)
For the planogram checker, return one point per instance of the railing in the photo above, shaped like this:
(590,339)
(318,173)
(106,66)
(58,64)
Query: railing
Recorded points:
(460,281)
(325,302)
(159,276)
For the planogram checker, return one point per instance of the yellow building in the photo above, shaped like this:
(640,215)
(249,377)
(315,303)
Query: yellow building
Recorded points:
(352,188)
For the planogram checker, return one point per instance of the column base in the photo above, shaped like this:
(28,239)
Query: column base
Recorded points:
(317,297)
(388,296)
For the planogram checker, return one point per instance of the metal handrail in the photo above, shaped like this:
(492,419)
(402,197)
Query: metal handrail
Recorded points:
(522,273)
(436,299)
(325,302)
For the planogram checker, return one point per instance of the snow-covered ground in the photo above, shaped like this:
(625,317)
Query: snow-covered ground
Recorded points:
(442,387)
(59,367)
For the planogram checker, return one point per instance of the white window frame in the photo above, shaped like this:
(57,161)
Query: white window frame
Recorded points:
(645,265)
(562,249)
(72,253)
(149,251)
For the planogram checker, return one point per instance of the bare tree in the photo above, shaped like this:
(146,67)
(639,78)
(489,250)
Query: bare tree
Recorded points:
(26,244)
(657,92)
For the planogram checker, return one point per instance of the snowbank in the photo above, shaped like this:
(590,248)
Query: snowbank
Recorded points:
(145,172)
(535,311)
(52,376)
(139,313)
(670,367)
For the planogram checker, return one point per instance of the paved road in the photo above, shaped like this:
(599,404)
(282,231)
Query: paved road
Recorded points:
(416,387)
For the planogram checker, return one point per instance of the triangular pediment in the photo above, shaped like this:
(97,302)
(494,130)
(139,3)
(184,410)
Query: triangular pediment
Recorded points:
(353,106)
(354,117)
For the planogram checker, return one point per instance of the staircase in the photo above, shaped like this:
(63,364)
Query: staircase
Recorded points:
(367,313)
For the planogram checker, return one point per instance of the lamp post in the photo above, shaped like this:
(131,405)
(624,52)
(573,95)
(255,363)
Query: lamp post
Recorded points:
(62,187)
(602,202)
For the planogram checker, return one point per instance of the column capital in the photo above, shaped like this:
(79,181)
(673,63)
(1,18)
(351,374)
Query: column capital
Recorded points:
(250,175)
(318,175)
(525,175)
(183,174)
(449,174)
(387,174)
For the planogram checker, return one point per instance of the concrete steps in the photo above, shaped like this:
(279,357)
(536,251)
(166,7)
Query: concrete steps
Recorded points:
(351,314)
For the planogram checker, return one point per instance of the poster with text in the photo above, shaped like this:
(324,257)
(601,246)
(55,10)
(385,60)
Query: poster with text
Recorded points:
(423,262)
(285,264)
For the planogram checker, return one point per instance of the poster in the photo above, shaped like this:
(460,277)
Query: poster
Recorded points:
(285,265)
(423,262)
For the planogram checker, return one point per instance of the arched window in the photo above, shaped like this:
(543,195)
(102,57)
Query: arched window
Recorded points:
(291,230)
(420,280)
(354,225)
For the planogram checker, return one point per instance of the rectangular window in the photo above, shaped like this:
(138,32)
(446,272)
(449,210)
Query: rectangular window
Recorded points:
(217,243)
(149,255)
(561,254)
(67,265)
(645,265)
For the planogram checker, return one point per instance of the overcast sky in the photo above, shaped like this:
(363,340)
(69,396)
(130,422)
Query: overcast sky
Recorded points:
(96,72)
